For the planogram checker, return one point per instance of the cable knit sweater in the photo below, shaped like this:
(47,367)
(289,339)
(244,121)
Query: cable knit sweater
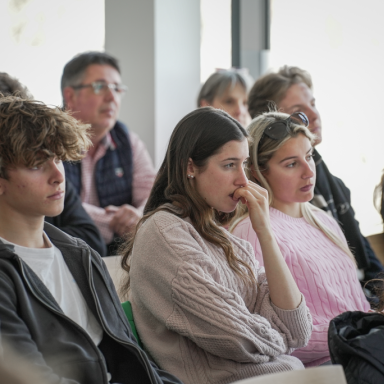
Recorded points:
(197,318)
(325,275)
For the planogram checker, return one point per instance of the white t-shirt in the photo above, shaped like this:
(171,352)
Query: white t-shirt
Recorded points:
(49,265)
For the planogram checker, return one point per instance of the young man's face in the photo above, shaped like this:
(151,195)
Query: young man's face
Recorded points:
(34,192)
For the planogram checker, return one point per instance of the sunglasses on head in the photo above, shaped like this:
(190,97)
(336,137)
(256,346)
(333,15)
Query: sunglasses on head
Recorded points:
(279,129)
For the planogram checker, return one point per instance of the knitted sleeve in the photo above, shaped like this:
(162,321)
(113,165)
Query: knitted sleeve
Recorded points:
(192,294)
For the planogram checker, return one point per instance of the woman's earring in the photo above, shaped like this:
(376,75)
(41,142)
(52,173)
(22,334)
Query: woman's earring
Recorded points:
(190,176)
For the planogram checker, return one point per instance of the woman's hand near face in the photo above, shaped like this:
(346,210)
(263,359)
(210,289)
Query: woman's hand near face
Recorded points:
(256,199)
(282,287)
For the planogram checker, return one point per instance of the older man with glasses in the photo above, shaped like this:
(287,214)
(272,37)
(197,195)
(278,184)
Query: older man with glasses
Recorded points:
(115,178)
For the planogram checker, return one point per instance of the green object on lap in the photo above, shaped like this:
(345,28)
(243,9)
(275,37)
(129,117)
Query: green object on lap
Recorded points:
(127,307)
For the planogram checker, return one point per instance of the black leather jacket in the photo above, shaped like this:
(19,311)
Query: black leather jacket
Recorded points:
(33,323)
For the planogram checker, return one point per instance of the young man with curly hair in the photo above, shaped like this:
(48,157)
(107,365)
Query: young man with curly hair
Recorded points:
(58,306)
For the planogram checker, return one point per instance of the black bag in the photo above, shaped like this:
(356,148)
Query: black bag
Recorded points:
(356,341)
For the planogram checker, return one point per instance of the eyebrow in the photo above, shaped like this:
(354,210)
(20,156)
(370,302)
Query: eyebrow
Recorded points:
(234,159)
(295,157)
(300,105)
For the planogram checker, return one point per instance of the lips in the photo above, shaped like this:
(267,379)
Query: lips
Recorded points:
(306,188)
(57,196)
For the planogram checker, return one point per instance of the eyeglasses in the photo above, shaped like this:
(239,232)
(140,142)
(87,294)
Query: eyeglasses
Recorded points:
(279,129)
(101,87)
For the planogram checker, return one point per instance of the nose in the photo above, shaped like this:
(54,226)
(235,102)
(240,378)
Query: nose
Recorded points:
(309,170)
(57,171)
(110,95)
(313,115)
(242,178)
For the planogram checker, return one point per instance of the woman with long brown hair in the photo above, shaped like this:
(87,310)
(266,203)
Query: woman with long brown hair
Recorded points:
(202,306)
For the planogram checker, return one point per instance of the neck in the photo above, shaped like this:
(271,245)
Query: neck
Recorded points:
(21,230)
(292,209)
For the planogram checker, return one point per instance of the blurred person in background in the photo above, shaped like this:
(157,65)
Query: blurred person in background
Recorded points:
(291,90)
(73,220)
(116,176)
(378,198)
(227,89)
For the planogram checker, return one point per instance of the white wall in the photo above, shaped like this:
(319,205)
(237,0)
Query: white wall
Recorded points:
(158,45)
(341,44)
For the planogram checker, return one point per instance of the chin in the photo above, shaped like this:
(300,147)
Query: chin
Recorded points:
(226,209)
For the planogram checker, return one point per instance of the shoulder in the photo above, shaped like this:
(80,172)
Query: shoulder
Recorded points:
(324,217)
(133,137)
(62,239)
(165,223)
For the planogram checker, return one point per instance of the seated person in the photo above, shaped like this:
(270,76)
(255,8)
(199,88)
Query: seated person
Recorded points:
(378,197)
(203,307)
(311,242)
(116,176)
(291,89)
(227,89)
(58,307)
(73,219)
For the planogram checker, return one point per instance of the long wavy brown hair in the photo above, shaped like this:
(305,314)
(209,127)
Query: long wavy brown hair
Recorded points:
(198,136)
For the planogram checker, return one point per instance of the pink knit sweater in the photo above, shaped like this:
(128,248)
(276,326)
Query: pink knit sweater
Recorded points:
(197,318)
(325,275)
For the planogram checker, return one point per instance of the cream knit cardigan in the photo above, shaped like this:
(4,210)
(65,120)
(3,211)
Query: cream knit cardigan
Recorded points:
(196,317)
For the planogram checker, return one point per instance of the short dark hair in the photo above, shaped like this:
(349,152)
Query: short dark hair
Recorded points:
(9,86)
(272,87)
(74,70)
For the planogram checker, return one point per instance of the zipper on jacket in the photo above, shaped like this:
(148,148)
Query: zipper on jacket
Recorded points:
(138,349)
(81,329)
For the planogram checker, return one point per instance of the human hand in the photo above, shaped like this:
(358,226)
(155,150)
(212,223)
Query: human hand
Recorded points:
(256,199)
(124,218)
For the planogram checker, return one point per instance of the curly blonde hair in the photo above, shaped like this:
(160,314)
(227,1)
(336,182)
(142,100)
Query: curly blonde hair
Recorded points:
(31,132)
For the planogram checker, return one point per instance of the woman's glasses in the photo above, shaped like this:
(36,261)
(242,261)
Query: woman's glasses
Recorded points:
(279,129)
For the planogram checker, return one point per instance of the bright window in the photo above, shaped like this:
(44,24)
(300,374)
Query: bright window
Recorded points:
(340,43)
(216,38)
(38,37)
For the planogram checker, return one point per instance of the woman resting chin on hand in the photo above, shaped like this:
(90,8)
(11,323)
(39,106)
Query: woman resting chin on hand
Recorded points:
(311,242)
(202,305)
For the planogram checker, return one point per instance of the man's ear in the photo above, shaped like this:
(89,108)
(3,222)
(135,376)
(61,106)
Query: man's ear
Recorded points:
(204,103)
(69,94)
(191,171)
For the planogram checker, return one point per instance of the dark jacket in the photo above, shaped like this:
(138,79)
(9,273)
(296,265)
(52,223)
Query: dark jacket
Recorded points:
(75,221)
(113,175)
(34,324)
(356,341)
(113,172)
(337,200)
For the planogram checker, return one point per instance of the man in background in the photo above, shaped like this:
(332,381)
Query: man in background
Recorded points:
(116,176)
(291,90)
(73,220)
